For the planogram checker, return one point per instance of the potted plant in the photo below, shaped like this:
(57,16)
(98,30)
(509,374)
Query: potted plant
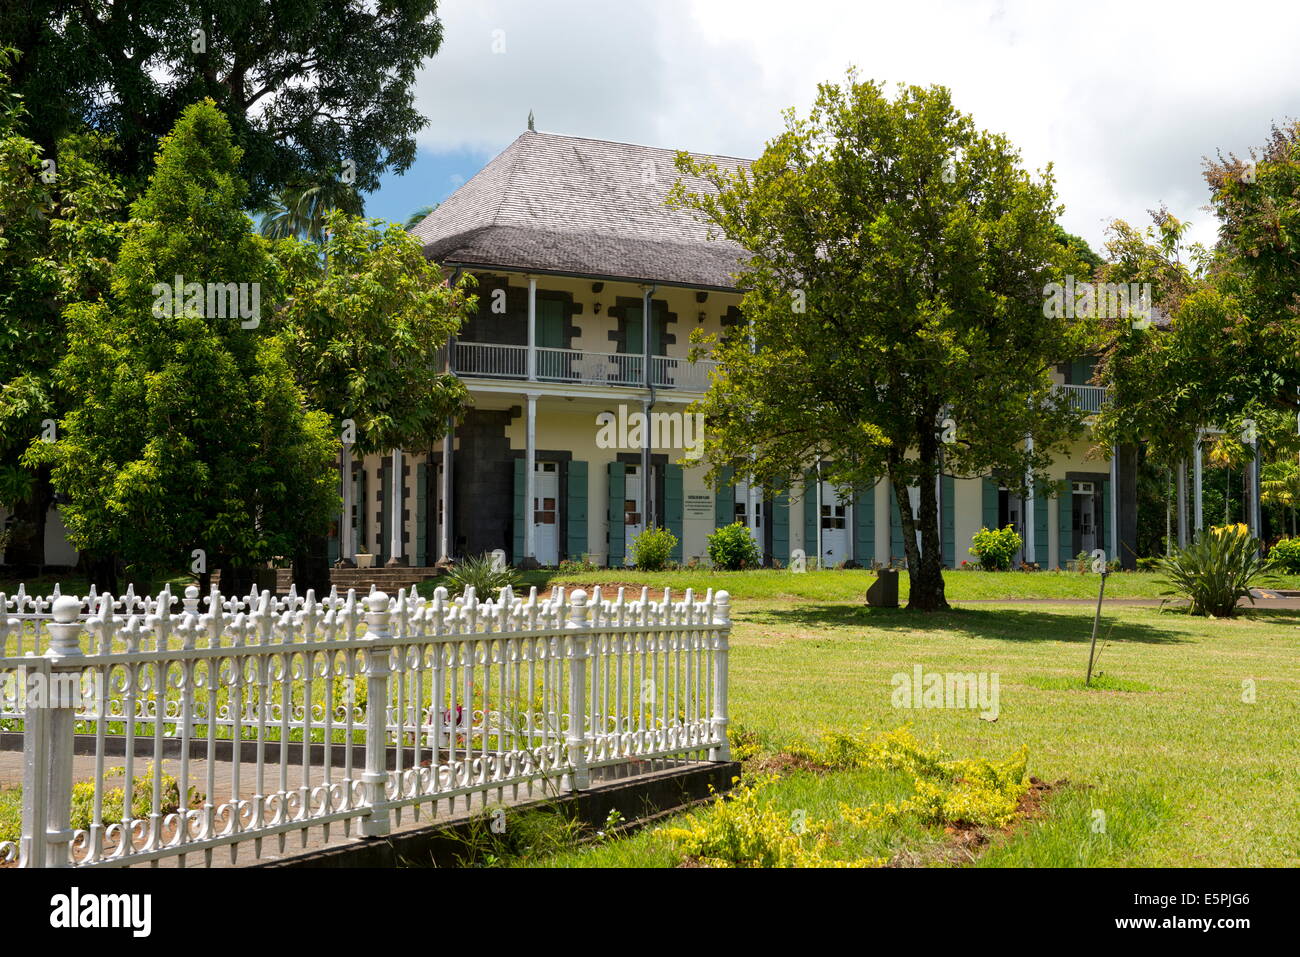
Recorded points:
(365,560)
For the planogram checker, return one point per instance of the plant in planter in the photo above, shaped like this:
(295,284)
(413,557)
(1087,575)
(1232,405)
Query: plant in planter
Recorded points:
(365,560)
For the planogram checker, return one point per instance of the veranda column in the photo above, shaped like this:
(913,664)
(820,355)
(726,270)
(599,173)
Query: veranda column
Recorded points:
(1198,518)
(346,546)
(395,528)
(530,460)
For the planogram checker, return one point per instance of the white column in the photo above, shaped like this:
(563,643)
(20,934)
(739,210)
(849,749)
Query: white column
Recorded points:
(444,530)
(530,460)
(347,548)
(1030,538)
(1198,518)
(532,333)
(395,511)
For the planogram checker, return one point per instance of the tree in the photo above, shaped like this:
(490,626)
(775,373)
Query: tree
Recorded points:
(300,211)
(186,430)
(60,223)
(304,84)
(897,259)
(367,321)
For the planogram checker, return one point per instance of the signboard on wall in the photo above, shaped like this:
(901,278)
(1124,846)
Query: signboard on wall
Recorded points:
(698,505)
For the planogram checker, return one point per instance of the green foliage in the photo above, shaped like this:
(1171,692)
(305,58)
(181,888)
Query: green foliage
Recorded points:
(300,86)
(995,547)
(897,256)
(732,548)
(652,550)
(481,573)
(1216,570)
(186,430)
(83,798)
(500,836)
(366,320)
(1285,556)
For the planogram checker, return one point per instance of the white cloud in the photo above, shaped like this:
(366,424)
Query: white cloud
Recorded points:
(1124,98)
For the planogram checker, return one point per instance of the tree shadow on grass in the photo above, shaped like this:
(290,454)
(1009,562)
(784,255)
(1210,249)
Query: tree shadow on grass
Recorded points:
(1002,624)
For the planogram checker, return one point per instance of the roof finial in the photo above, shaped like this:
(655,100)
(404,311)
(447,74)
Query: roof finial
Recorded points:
(532,128)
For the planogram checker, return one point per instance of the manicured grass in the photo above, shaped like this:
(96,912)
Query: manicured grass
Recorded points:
(1167,746)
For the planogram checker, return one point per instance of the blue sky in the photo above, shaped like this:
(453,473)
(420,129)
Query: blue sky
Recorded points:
(1124,99)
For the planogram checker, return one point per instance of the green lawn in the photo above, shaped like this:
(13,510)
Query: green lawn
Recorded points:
(1184,770)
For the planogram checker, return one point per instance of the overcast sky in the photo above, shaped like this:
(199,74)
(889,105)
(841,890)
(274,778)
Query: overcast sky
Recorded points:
(1124,98)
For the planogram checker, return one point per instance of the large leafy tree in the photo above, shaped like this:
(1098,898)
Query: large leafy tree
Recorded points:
(897,262)
(305,84)
(186,429)
(60,223)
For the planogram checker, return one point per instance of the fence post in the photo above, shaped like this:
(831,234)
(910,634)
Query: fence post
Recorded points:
(579,775)
(721,619)
(375,778)
(36,747)
(52,711)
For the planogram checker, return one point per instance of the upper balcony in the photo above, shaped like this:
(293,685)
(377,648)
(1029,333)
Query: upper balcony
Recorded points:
(495,361)
(1085,398)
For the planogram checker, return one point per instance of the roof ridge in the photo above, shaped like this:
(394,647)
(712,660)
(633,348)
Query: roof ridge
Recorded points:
(510,178)
(643,146)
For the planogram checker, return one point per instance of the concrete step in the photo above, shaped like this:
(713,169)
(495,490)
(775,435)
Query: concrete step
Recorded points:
(385,579)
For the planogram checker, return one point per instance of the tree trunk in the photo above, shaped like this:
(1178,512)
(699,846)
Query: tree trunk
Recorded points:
(27,551)
(924,564)
(311,566)
(102,571)
(236,581)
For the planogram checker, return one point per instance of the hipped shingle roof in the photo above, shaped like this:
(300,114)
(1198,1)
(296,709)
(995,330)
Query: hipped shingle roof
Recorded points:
(565,204)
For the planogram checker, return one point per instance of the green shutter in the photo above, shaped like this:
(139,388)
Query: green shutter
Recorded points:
(385,510)
(724,500)
(1040,527)
(359,506)
(810,517)
(1065,525)
(635,342)
(550,324)
(575,510)
(673,506)
(781,527)
(520,511)
(617,545)
(1104,523)
(864,526)
(989,502)
(947,512)
(896,549)
(421,514)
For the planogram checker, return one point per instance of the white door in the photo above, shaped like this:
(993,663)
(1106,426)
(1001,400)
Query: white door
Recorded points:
(546,513)
(835,527)
(633,514)
(752,522)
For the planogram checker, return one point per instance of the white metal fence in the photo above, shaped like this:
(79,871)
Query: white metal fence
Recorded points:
(254,719)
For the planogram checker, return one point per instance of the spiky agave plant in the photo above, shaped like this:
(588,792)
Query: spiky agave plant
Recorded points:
(481,572)
(1217,570)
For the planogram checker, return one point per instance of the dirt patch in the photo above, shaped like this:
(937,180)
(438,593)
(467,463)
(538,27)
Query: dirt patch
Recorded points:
(783,763)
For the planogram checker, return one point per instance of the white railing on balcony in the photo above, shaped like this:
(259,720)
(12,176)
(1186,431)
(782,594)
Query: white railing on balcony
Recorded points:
(491,360)
(1085,398)
(340,713)
(494,360)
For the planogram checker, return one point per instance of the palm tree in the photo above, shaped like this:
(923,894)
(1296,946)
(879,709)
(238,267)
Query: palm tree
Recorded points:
(418,216)
(300,209)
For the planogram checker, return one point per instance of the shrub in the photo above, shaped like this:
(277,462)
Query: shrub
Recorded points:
(1285,556)
(732,548)
(994,547)
(480,572)
(83,798)
(652,550)
(1216,570)
(574,566)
